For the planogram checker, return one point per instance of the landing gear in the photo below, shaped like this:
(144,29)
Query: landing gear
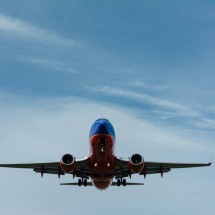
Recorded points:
(85,182)
(121,181)
(79,182)
(124,182)
(118,182)
(82,182)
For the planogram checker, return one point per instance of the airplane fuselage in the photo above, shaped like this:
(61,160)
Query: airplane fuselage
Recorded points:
(102,145)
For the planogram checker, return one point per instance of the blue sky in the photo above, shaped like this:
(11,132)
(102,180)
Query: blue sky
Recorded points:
(148,66)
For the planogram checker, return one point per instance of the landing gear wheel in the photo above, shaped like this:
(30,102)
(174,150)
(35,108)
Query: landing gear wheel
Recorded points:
(118,182)
(85,182)
(124,182)
(79,182)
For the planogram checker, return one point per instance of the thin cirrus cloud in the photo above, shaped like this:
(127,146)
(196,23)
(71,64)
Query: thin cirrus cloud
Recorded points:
(196,118)
(141,84)
(206,123)
(183,110)
(50,64)
(21,29)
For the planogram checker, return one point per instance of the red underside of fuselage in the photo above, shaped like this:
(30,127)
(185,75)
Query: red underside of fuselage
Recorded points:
(102,160)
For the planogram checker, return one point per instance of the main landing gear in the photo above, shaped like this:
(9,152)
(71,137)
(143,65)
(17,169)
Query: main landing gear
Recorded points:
(121,182)
(82,182)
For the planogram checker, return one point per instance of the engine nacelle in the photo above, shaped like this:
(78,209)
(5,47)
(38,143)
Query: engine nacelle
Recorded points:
(67,163)
(136,163)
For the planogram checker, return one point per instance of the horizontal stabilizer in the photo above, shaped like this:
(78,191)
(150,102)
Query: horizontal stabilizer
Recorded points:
(127,183)
(76,184)
(113,184)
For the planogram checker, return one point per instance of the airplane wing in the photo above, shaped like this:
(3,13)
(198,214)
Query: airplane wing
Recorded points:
(122,169)
(82,169)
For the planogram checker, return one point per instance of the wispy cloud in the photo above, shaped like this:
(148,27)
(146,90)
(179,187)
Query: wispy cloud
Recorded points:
(50,64)
(211,109)
(19,28)
(42,114)
(163,108)
(205,123)
(183,110)
(142,84)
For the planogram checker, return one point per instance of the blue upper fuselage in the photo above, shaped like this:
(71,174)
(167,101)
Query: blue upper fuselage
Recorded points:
(102,126)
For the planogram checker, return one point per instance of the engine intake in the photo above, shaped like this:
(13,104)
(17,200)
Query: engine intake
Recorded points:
(136,163)
(67,163)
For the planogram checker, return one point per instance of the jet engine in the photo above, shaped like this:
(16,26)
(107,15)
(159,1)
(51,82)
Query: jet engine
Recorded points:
(67,163)
(136,163)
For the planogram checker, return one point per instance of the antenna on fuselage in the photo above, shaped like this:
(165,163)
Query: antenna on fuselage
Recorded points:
(102,144)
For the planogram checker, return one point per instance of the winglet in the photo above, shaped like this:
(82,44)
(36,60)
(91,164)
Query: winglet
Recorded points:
(209,164)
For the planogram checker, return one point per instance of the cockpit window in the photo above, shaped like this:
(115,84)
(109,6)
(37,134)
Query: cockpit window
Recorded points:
(102,119)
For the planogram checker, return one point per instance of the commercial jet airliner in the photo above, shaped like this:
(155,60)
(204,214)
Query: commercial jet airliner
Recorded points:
(102,166)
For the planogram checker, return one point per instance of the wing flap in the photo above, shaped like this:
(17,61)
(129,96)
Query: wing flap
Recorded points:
(147,171)
(49,170)
(174,165)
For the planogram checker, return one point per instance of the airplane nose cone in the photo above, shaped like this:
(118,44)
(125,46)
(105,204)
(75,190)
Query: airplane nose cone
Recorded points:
(102,128)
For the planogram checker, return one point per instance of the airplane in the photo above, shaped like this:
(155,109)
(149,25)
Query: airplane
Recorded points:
(102,165)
